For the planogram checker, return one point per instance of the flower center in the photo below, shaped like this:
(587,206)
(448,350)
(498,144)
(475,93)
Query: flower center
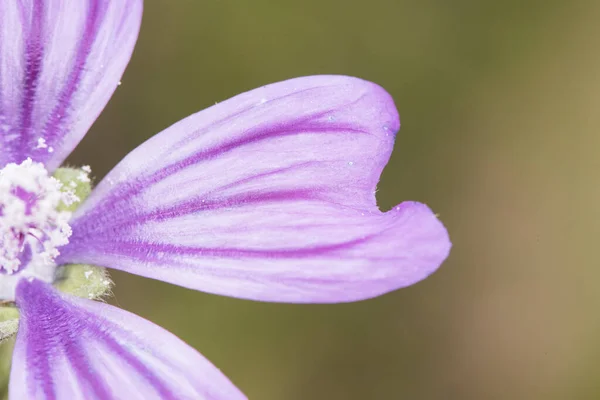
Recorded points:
(32,227)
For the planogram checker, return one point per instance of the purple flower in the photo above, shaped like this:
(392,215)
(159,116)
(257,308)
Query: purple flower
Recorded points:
(267,196)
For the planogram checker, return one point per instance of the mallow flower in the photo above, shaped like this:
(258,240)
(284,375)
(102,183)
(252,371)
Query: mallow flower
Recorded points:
(268,196)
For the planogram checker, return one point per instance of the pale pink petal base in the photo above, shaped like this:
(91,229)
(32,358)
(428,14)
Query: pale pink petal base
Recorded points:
(76,349)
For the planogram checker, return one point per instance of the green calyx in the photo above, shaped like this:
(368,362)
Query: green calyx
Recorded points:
(75,180)
(9,321)
(81,280)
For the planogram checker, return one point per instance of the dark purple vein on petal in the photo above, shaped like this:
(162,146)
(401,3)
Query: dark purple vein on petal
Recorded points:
(41,343)
(81,363)
(152,378)
(207,201)
(197,205)
(99,329)
(57,327)
(34,52)
(148,251)
(123,192)
(92,225)
(229,118)
(94,19)
(258,135)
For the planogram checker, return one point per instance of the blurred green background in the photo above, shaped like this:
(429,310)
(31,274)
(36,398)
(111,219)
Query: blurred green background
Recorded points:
(499,105)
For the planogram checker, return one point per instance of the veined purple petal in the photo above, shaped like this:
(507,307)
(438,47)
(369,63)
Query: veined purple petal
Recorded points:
(60,61)
(267,196)
(72,348)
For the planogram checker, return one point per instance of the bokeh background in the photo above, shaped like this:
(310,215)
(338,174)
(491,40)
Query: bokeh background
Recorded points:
(499,104)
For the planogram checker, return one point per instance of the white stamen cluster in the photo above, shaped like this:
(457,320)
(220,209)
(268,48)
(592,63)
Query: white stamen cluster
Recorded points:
(29,198)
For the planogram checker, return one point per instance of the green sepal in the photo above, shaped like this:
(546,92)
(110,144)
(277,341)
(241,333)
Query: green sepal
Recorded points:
(9,320)
(70,178)
(6,350)
(81,280)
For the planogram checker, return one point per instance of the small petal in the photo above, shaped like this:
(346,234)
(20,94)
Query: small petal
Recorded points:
(72,348)
(267,196)
(60,61)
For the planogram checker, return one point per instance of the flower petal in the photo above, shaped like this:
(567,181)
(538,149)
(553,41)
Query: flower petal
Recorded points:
(60,61)
(73,348)
(267,196)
